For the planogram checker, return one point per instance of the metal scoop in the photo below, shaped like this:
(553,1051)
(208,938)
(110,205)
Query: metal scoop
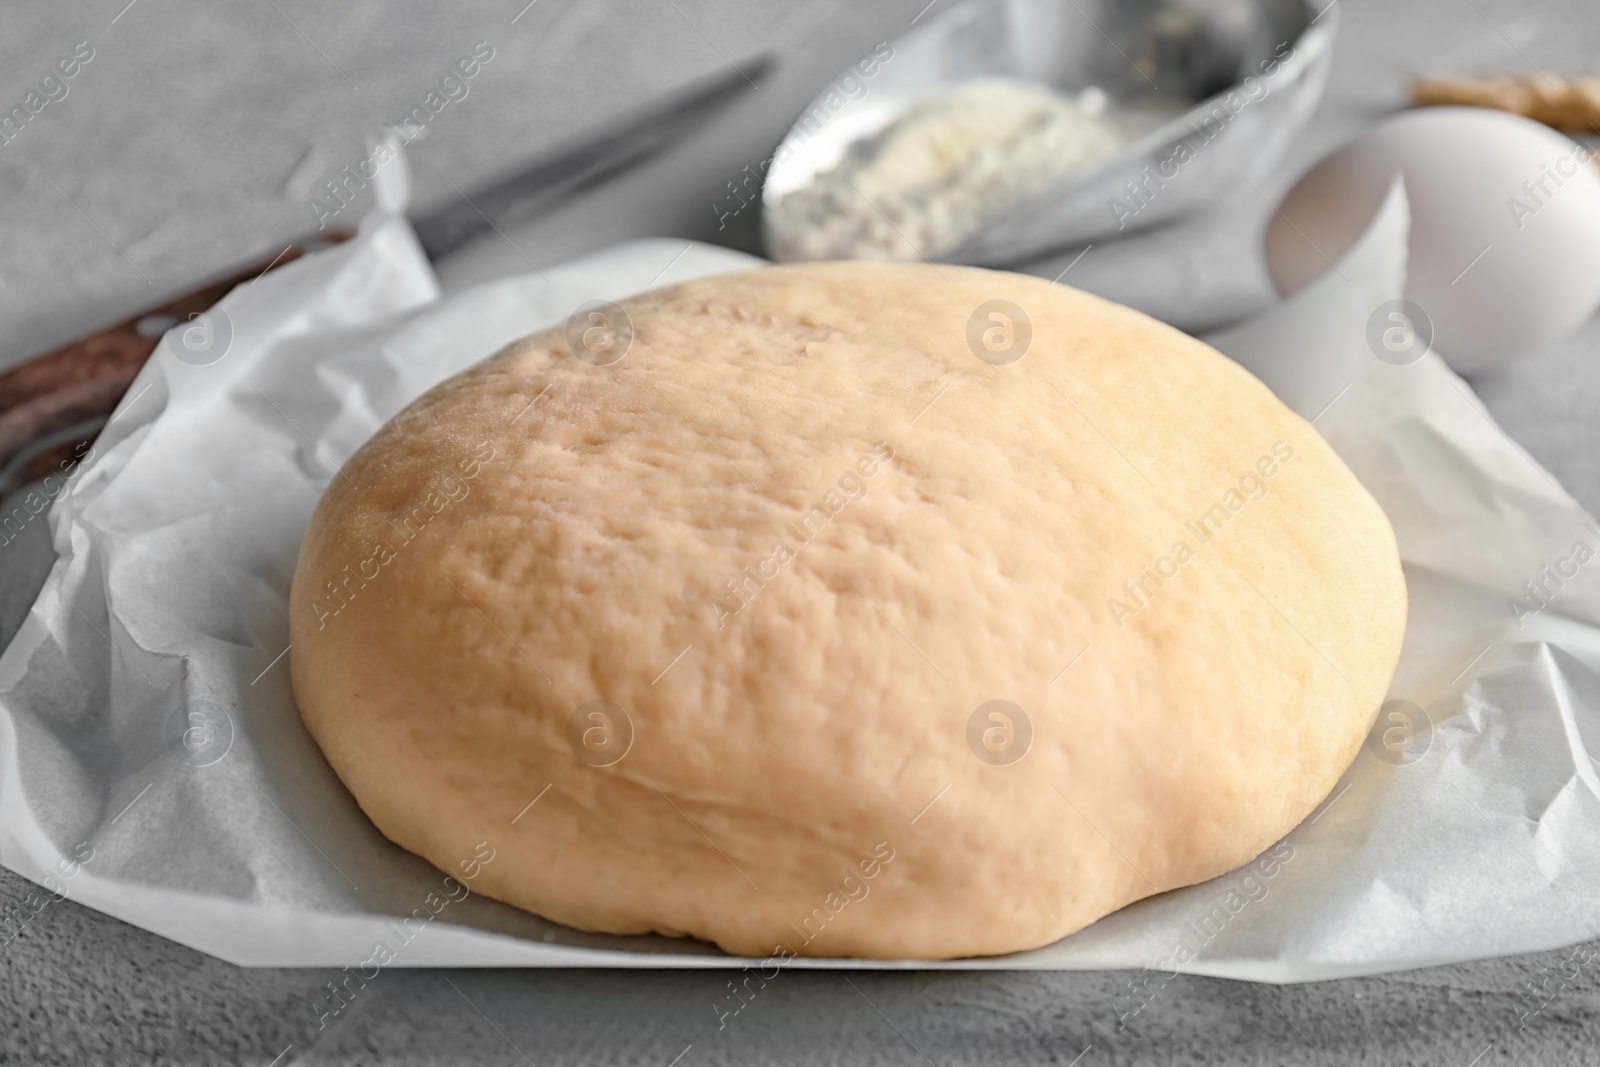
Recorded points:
(1217,87)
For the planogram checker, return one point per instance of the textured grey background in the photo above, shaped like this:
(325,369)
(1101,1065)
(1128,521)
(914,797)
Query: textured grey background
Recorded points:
(194,138)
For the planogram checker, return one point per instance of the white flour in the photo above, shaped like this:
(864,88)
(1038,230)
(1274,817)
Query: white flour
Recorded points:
(932,178)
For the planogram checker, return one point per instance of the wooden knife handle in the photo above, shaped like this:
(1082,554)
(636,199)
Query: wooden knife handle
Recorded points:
(81,382)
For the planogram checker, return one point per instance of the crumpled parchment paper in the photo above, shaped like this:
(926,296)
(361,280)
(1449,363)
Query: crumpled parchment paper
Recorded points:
(153,764)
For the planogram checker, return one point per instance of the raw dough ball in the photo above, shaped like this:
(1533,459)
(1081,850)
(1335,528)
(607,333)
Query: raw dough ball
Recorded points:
(903,652)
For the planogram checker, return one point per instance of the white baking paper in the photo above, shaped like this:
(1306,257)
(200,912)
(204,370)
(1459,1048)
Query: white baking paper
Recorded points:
(153,764)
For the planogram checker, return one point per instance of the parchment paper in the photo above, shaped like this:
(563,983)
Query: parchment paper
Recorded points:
(153,764)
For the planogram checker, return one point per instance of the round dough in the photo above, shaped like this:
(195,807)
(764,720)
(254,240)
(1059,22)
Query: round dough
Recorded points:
(802,536)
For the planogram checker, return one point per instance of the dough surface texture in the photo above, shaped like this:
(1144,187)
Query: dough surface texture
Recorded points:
(798,541)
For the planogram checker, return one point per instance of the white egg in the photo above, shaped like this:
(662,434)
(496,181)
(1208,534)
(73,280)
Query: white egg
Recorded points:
(1504,254)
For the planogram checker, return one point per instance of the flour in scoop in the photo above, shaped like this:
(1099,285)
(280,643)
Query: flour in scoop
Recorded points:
(935,175)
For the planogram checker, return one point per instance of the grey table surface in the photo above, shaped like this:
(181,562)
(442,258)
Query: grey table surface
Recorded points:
(196,136)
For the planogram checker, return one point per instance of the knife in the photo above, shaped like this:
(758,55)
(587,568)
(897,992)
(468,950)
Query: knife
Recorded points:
(52,405)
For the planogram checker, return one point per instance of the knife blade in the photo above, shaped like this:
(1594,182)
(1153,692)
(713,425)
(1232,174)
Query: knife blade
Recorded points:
(546,183)
(56,402)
